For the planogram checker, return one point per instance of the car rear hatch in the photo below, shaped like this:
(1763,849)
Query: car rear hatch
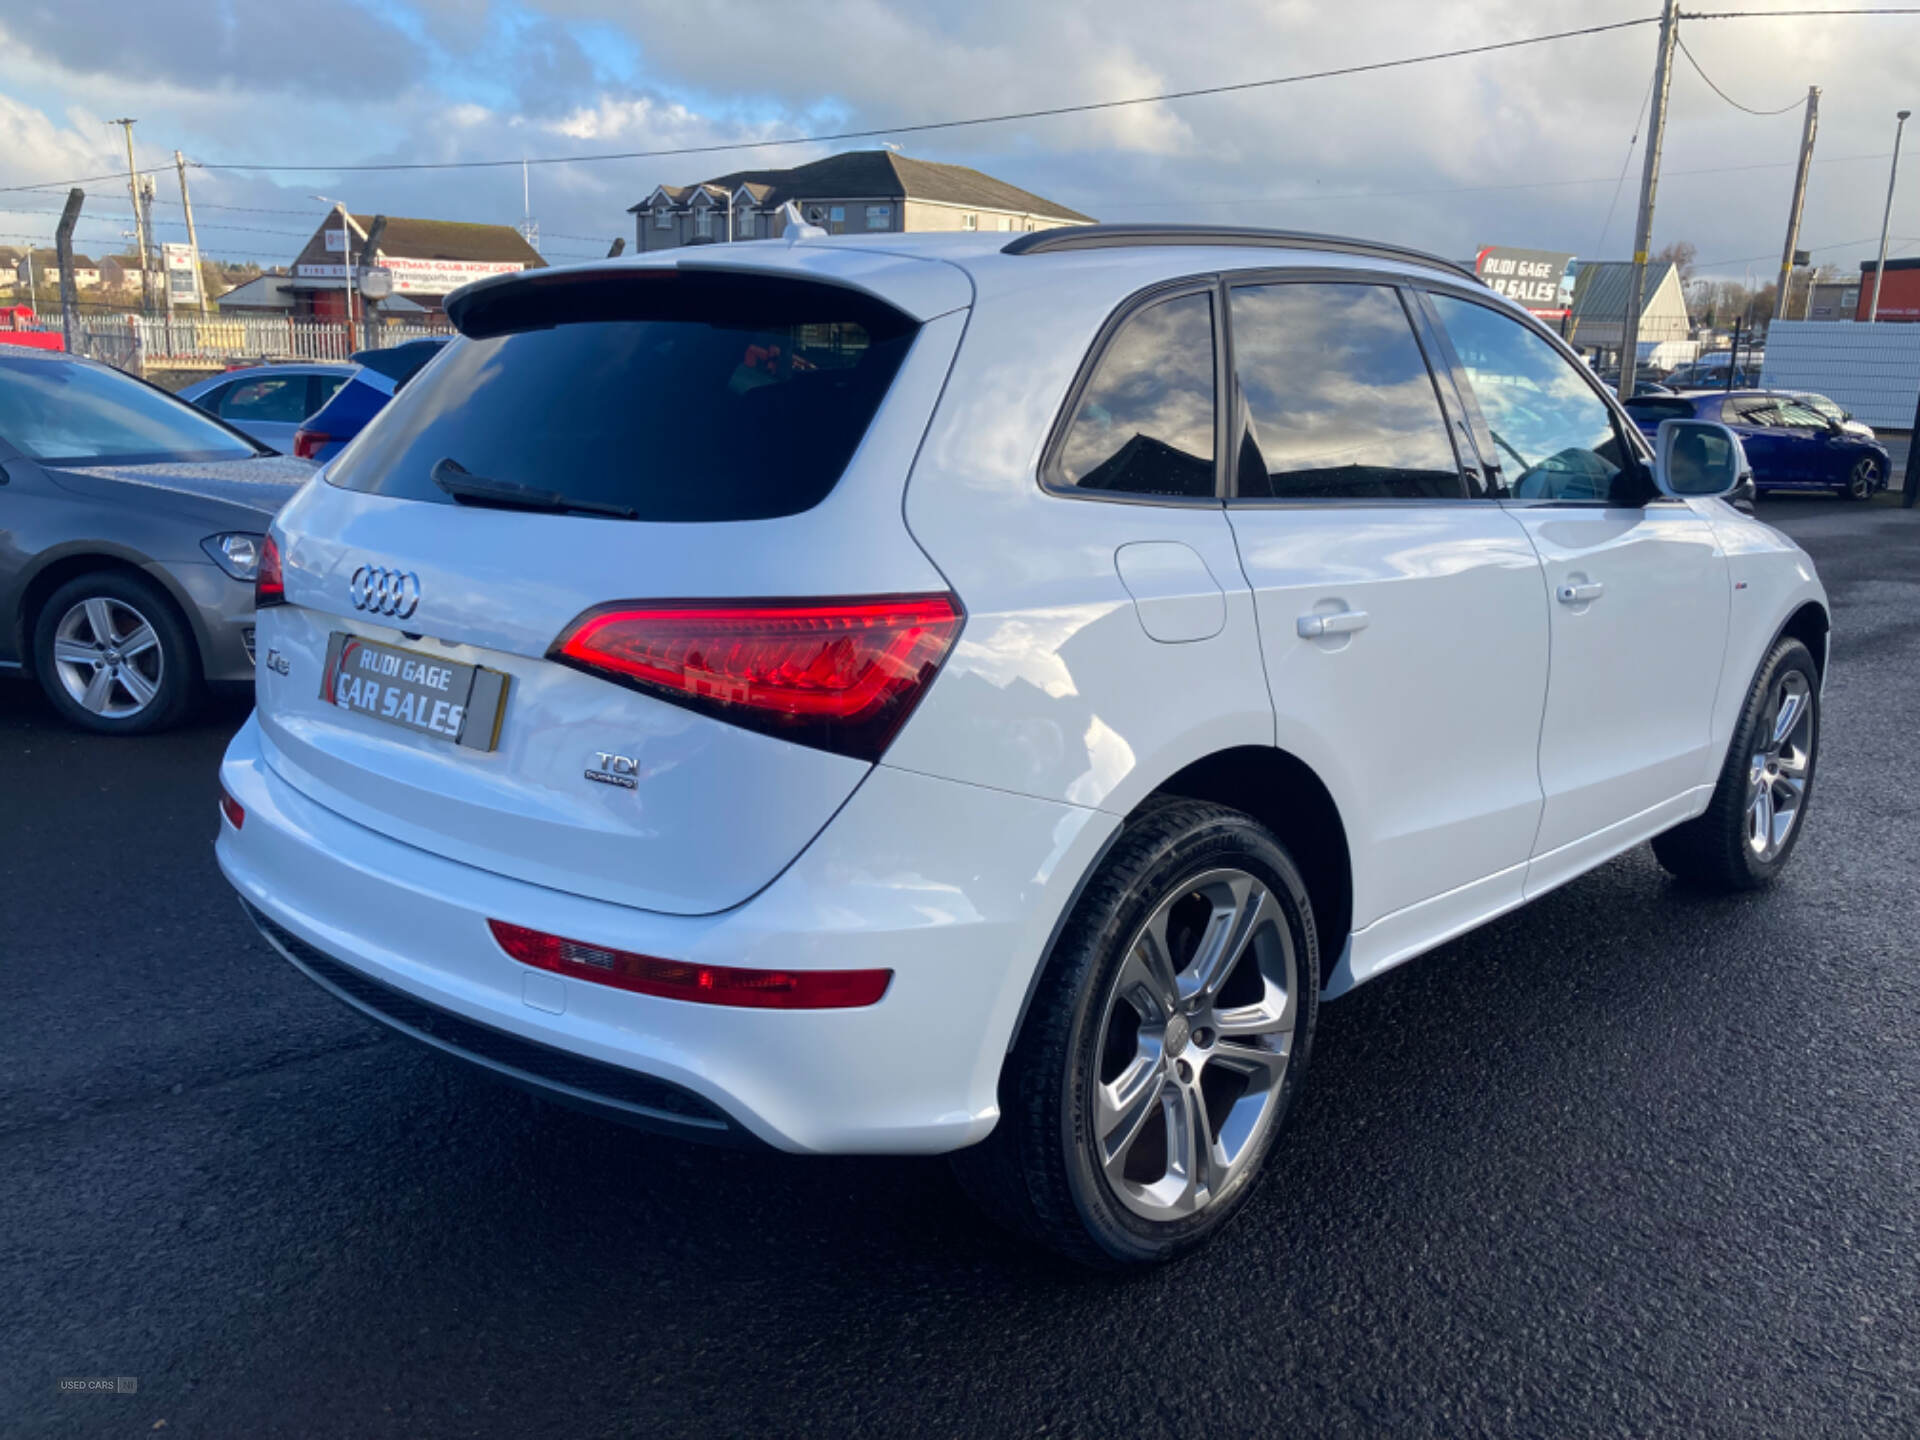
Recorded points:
(679,627)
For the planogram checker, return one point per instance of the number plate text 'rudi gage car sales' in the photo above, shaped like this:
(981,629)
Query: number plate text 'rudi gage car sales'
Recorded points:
(462,703)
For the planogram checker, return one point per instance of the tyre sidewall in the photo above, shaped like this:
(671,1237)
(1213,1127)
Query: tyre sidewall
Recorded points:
(1220,838)
(1786,655)
(179,677)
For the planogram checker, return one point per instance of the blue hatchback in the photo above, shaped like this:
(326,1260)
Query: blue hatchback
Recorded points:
(365,395)
(1790,445)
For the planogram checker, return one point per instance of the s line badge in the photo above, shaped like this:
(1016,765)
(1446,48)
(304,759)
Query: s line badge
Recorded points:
(610,769)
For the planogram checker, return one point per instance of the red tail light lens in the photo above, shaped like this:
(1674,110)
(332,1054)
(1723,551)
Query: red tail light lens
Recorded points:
(269,586)
(307,443)
(840,675)
(232,809)
(701,984)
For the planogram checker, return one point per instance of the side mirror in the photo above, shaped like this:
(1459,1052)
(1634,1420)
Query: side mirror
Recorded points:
(1696,459)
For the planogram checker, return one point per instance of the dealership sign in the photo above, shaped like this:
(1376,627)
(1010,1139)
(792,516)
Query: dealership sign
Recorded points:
(420,277)
(183,281)
(1533,278)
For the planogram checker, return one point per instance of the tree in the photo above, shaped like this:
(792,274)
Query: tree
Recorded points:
(1682,253)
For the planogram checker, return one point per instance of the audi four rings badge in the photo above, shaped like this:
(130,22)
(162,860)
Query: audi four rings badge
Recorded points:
(385,592)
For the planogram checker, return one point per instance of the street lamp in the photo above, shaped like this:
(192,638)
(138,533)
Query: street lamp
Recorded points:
(346,247)
(1893,172)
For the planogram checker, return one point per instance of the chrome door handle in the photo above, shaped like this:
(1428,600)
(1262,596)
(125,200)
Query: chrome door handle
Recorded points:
(1580,594)
(1341,622)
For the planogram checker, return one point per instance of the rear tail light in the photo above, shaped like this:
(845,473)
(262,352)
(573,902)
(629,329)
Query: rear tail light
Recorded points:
(231,808)
(269,585)
(701,984)
(307,443)
(839,675)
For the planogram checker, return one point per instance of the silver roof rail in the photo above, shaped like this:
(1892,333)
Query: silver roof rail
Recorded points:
(1103,237)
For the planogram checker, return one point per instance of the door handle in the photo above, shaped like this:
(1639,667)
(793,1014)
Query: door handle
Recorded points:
(1341,622)
(1580,594)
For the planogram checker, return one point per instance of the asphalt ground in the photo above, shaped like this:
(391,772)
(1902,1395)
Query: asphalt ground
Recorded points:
(1628,1162)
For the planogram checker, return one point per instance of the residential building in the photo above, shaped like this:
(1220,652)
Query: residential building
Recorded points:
(1597,321)
(1831,300)
(46,270)
(429,259)
(857,193)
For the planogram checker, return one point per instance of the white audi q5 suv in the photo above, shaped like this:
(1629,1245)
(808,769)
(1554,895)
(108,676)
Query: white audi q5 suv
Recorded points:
(929,693)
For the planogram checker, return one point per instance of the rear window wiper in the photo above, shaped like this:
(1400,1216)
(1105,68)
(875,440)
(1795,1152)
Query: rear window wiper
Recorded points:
(470,489)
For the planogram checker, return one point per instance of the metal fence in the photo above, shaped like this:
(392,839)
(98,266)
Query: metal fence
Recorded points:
(137,342)
(1872,370)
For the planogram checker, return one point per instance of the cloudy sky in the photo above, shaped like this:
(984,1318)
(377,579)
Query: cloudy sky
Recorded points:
(1521,148)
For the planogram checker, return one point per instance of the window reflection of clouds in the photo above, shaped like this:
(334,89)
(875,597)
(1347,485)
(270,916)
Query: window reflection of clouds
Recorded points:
(1155,381)
(1542,413)
(1334,381)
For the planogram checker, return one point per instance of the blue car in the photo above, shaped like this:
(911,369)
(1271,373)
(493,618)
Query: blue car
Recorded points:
(1790,445)
(380,376)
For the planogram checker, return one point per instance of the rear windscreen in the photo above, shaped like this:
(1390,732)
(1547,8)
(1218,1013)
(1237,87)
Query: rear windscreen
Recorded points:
(680,397)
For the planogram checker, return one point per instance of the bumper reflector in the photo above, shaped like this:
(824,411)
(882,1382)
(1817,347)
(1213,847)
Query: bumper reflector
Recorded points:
(701,984)
(233,810)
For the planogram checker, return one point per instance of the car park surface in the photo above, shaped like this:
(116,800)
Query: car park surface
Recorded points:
(1544,1182)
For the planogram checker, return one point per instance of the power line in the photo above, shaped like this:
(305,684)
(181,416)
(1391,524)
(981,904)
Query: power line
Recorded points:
(1791,105)
(1053,110)
(1297,196)
(1626,164)
(1009,116)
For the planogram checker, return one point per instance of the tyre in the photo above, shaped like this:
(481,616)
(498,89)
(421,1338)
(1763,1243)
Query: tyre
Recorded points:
(113,654)
(1759,805)
(1163,1047)
(1863,479)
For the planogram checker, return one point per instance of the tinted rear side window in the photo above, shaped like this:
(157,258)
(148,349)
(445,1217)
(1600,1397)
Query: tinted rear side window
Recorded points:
(1340,404)
(679,397)
(1144,425)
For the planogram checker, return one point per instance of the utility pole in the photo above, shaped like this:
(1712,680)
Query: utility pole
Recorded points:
(63,252)
(1799,197)
(1893,174)
(139,214)
(193,238)
(1649,182)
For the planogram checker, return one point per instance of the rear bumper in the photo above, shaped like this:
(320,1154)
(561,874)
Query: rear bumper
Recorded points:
(953,887)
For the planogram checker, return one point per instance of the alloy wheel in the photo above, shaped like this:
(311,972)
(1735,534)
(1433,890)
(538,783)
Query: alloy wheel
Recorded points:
(1778,772)
(1195,1038)
(108,657)
(1860,483)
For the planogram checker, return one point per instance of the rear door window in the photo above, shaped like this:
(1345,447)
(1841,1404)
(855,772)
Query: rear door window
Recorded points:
(1144,423)
(279,399)
(1340,404)
(678,397)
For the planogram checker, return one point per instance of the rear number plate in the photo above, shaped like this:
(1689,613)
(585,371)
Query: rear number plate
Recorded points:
(461,703)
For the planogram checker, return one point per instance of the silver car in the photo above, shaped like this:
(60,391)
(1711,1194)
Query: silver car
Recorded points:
(269,402)
(131,530)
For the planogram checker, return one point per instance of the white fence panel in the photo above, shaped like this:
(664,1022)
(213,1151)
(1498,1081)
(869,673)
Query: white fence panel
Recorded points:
(135,341)
(1872,370)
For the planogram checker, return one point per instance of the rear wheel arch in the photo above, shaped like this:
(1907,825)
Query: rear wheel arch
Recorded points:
(1283,793)
(1286,795)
